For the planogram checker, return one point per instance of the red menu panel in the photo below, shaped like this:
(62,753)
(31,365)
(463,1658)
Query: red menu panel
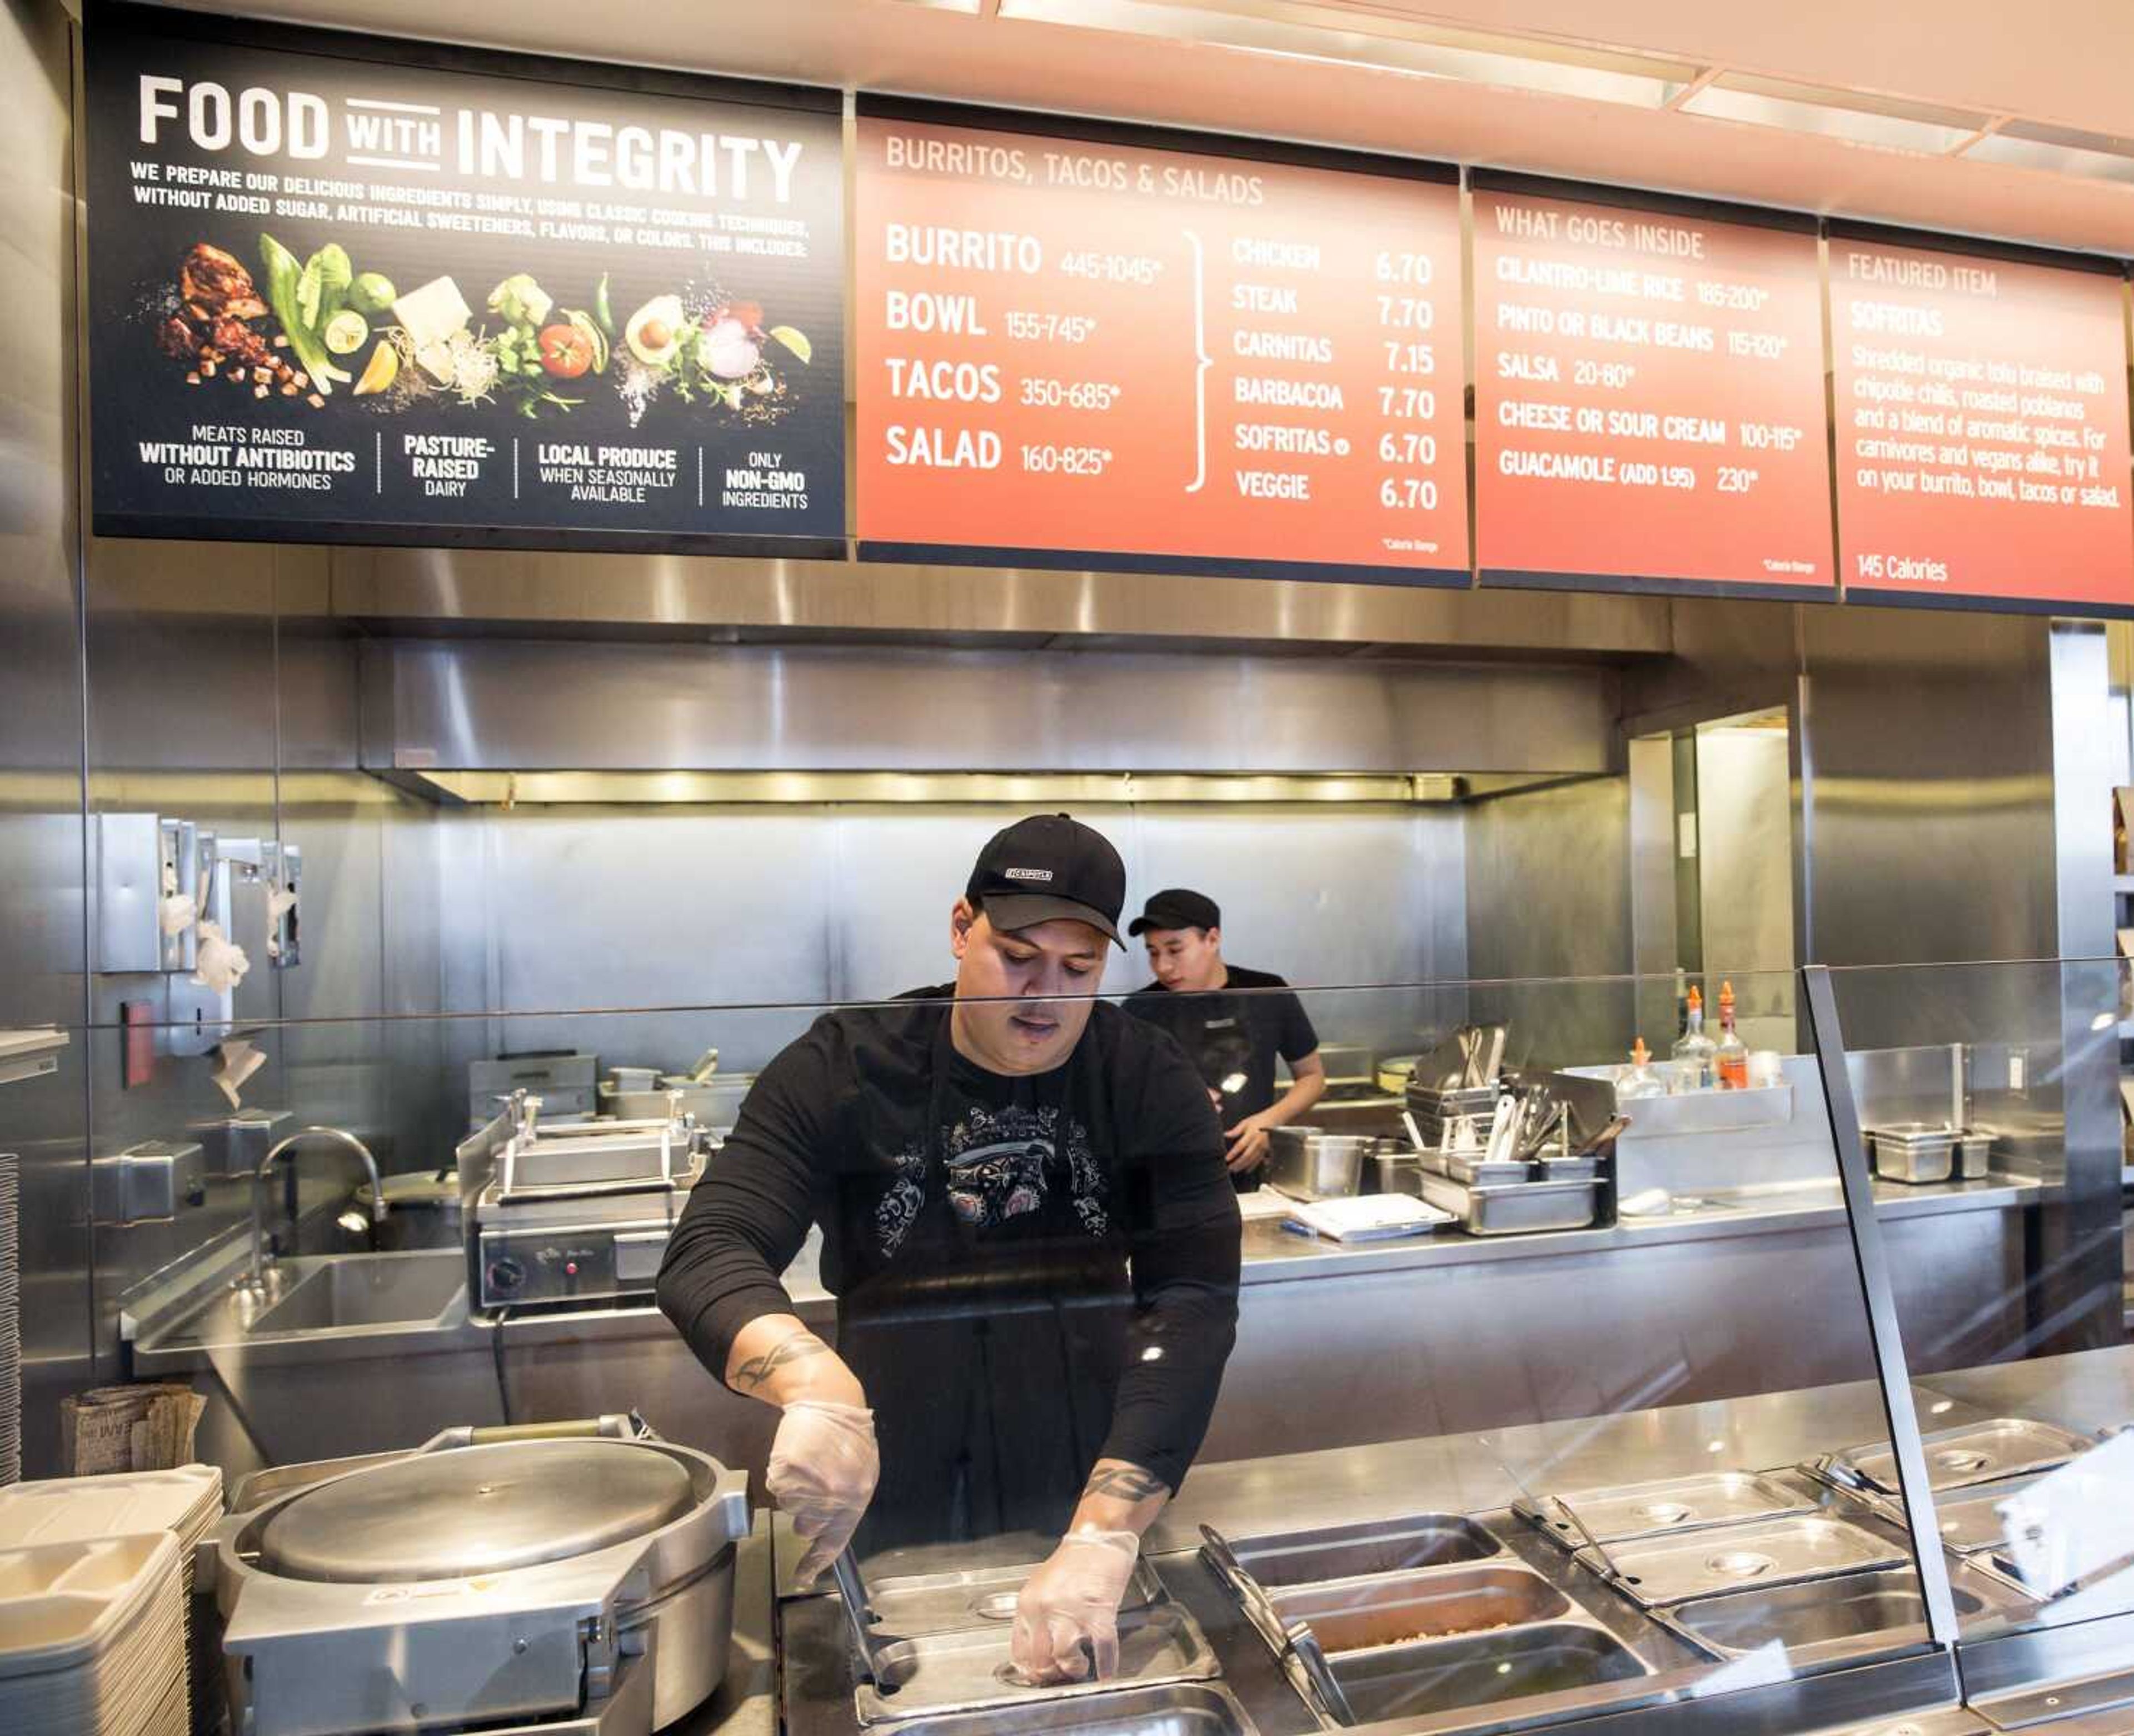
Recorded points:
(1981,430)
(1648,409)
(1073,352)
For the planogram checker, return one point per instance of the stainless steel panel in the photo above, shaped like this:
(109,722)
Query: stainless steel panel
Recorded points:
(1746,875)
(539,706)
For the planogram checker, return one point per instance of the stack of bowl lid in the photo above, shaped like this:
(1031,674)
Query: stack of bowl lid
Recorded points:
(92,1637)
(185,1502)
(11,1320)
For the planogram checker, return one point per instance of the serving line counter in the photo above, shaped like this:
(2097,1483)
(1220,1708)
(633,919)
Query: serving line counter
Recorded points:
(1371,1544)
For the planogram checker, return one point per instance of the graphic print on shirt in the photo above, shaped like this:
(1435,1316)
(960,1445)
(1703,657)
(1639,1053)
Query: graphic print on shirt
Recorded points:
(1001,1164)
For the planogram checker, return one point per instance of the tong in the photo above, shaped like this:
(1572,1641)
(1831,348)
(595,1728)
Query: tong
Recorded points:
(1294,1646)
(859,1615)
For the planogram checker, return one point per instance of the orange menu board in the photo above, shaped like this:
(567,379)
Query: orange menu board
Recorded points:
(1084,347)
(1982,429)
(1649,406)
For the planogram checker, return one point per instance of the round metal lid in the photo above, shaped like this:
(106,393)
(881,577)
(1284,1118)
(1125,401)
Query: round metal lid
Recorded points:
(476,1510)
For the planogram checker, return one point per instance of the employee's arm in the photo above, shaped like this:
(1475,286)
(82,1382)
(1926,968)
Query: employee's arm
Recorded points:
(744,1223)
(1184,1252)
(1248,1141)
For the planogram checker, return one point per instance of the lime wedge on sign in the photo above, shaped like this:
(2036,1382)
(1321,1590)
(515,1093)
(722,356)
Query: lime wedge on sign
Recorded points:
(795,341)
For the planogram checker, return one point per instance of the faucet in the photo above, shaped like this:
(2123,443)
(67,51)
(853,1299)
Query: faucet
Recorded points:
(255,1281)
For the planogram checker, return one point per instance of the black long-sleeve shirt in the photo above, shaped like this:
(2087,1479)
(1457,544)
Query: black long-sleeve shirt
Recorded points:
(945,1191)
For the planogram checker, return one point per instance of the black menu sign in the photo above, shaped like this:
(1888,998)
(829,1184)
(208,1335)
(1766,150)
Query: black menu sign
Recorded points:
(344,289)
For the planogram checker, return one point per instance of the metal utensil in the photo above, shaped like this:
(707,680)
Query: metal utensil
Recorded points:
(1314,1678)
(1243,1588)
(859,1618)
(1612,1131)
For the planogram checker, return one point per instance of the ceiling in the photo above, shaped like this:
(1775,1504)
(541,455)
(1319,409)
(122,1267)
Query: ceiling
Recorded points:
(2060,62)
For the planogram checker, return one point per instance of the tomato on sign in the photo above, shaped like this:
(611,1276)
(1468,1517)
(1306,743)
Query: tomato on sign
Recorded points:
(1982,429)
(1100,350)
(1648,409)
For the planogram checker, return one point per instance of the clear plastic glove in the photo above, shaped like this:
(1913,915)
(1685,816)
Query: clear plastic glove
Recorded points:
(1067,1617)
(823,1466)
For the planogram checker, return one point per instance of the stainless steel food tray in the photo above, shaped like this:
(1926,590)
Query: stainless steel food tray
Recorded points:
(1860,1613)
(1675,1568)
(1482,1669)
(1912,1152)
(969,1671)
(1433,1603)
(1651,1509)
(1472,1171)
(1959,1458)
(1523,1208)
(912,1604)
(1178,1709)
(1337,1552)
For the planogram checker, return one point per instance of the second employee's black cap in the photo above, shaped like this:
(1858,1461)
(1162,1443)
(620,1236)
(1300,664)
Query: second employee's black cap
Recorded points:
(1047,868)
(1176,907)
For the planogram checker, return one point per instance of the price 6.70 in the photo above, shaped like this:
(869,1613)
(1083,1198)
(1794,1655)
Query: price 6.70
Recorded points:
(1408,493)
(1404,269)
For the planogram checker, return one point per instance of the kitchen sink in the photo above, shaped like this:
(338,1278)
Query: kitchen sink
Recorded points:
(1878,1605)
(1402,1608)
(1350,1551)
(367,1290)
(1480,1668)
(1180,1708)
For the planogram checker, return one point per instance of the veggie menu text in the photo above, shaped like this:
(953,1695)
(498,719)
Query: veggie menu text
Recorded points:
(388,302)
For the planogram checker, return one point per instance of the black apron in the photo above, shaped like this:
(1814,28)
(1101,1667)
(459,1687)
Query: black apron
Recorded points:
(990,1348)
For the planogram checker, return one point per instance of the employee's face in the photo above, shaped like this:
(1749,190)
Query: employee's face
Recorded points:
(1008,1018)
(1186,960)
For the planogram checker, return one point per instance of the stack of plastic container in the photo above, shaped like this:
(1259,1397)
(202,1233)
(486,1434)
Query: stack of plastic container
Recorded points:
(56,1543)
(11,1321)
(91,1638)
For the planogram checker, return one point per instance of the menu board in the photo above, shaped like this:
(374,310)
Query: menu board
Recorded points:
(1649,403)
(344,289)
(1981,430)
(1093,349)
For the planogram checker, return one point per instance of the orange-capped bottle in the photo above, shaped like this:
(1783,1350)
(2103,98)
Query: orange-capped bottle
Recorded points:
(1731,1060)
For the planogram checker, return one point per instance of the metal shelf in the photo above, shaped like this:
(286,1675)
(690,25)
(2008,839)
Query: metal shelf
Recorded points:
(28,1054)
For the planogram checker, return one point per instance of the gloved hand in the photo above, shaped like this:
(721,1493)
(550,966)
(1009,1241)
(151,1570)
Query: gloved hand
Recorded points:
(1067,1617)
(823,1466)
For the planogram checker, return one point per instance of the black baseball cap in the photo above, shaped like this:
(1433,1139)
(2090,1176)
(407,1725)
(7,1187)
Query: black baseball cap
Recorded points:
(1047,868)
(1176,907)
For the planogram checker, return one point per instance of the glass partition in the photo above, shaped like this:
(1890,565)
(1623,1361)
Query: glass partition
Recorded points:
(1990,1102)
(1508,1368)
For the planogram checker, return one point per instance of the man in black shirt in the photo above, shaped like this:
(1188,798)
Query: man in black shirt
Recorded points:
(1028,1230)
(1231,1022)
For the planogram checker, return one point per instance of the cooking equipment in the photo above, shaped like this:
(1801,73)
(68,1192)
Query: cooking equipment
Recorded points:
(489,1575)
(969,1669)
(1959,1458)
(1647,1509)
(563,1081)
(1351,1071)
(1672,1568)
(1309,1163)
(1521,1208)
(582,1212)
(422,1210)
(1912,1151)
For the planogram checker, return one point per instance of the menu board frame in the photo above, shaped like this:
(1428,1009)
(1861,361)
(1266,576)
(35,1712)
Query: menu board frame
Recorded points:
(1081,129)
(1691,208)
(1835,229)
(426,56)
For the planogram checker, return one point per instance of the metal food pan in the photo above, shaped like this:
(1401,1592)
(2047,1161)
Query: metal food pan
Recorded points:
(1649,1509)
(1679,1567)
(1472,1171)
(1435,1604)
(1913,1152)
(1179,1709)
(1867,1610)
(1963,1457)
(969,1671)
(1522,1209)
(909,1605)
(1482,1669)
(1375,1546)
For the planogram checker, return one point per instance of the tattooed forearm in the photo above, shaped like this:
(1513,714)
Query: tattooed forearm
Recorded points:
(758,1369)
(1124,1482)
